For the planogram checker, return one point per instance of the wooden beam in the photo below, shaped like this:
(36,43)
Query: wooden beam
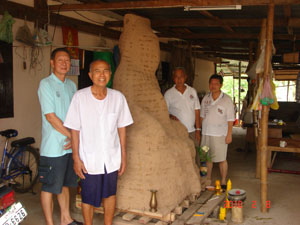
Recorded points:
(56,19)
(187,22)
(228,56)
(265,113)
(213,36)
(151,4)
(287,15)
(21,11)
(229,36)
(218,20)
(210,49)
(251,51)
(191,22)
(41,4)
(217,43)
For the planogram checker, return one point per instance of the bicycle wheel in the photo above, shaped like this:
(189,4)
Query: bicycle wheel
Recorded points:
(22,169)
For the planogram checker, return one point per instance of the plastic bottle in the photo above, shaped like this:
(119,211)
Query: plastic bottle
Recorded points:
(229,185)
(222,214)
(218,187)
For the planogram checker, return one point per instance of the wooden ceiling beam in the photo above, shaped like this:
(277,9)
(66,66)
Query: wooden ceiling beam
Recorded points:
(275,59)
(229,56)
(217,20)
(32,14)
(163,4)
(287,15)
(191,22)
(220,50)
(243,44)
(229,36)
(213,36)
(40,4)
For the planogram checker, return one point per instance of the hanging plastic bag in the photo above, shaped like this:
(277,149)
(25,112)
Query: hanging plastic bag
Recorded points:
(275,105)
(267,97)
(256,103)
(252,71)
(24,35)
(6,27)
(45,39)
(260,65)
(40,37)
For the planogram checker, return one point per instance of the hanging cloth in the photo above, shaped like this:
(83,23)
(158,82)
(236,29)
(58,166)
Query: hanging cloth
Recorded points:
(275,105)
(256,103)
(6,27)
(24,35)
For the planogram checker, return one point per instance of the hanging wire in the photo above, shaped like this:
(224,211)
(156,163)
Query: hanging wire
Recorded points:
(94,21)
(55,21)
(24,56)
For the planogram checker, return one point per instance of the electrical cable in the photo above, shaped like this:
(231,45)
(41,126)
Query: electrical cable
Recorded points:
(88,18)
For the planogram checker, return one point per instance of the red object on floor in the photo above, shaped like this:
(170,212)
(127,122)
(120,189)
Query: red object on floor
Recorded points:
(284,171)
(7,199)
(236,122)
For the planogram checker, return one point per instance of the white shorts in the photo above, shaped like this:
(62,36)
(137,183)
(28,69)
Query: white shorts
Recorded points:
(217,147)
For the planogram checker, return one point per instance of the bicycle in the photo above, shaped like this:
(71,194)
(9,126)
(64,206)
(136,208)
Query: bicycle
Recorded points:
(19,165)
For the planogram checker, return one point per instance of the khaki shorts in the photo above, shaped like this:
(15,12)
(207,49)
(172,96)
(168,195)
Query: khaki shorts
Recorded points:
(217,147)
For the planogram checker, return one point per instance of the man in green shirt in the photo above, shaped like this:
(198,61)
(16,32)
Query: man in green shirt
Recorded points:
(56,164)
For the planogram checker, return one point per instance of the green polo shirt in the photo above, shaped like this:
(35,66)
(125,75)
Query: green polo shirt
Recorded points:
(55,97)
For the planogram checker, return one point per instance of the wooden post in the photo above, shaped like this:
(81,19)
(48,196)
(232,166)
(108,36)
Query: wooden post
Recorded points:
(257,128)
(251,58)
(265,112)
(240,74)
(262,38)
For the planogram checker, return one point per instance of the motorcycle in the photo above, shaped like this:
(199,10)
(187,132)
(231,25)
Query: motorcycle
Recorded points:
(11,212)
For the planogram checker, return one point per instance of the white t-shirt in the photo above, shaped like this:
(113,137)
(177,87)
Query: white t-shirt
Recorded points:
(97,121)
(216,114)
(183,106)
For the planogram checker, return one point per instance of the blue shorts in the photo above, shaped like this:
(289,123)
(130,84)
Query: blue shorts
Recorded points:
(61,174)
(96,187)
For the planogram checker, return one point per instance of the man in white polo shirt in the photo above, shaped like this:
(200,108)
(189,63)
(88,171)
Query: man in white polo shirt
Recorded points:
(217,117)
(183,105)
(98,117)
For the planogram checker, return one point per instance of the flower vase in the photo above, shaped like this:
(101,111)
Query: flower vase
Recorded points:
(203,169)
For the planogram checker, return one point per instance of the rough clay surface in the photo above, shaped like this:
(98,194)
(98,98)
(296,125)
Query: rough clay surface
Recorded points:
(160,154)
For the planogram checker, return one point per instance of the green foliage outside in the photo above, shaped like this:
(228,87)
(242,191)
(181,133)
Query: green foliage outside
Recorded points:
(233,90)
(285,91)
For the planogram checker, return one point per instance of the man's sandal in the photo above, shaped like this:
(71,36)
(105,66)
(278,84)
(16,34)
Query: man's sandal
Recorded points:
(74,222)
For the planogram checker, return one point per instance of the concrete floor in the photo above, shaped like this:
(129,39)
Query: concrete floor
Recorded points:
(283,191)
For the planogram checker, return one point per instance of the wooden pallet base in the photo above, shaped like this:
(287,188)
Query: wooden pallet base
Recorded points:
(198,212)
(192,210)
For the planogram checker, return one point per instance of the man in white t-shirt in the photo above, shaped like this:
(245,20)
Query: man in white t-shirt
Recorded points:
(98,117)
(183,105)
(216,118)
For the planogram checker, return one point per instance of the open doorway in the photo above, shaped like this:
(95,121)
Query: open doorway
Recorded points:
(235,82)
